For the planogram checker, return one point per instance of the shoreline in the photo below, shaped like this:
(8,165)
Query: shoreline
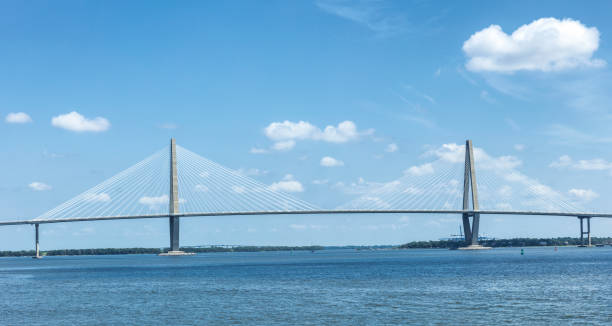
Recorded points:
(440,244)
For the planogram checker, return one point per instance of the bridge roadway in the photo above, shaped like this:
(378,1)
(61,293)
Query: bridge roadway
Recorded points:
(309,212)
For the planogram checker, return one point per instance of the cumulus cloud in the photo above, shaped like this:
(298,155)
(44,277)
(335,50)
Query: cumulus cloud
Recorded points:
(391,148)
(252,172)
(583,194)
(74,121)
(288,184)
(101,197)
(169,126)
(361,186)
(39,186)
(563,161)
(597,164)
(320,181)
(256,150)
(239,189)
(286,133)
(17,117)
(454,153)
(546,44)
(154,202)
(423,169)
(329,161)
(284,145)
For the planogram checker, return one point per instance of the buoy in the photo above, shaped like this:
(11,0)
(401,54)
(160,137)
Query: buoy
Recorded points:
(522,252)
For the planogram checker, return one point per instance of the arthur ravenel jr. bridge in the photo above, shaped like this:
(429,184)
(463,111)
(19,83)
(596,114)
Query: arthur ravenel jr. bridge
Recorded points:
(174,183)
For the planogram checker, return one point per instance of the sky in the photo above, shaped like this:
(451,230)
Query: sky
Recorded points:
(325,100)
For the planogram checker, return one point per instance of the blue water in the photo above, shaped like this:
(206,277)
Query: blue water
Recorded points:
(571,286)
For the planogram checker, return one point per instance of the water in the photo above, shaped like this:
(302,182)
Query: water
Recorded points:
(572,286)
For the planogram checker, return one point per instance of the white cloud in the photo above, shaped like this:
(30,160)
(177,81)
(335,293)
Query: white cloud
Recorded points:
(252,172)
(329,161)
(201,188)
(583,194)
(284,145)
(391,148)
(169,126)
(76,122)
(18,117)
(361,186)
(597,164)
(255,150)
(101,197)
(204,174)
(298,226)
(419,170)
(370,14)
(567,135)
(412,191)
(154,202)
(320,181)
(239,189)
(563,161)
(505,191)
(286,133)
(288,184)
(485,96)
(519,147)
(39,186)
(512,124)
(454,153)
(546,44)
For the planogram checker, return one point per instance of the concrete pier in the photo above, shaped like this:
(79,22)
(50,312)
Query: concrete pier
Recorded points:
(37,255)
(582,232)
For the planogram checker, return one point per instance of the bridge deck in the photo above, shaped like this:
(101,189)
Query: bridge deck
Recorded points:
(306,212)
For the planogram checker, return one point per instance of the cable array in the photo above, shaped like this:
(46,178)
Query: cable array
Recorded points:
(205,186)
(439,186)
(433,186)
(510,190)
(138,190)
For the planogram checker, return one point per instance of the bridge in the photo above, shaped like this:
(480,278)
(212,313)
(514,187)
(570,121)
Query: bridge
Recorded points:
(176,183)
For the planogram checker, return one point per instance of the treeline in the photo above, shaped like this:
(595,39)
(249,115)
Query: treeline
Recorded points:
(498,243)
(129,251)
(251,249)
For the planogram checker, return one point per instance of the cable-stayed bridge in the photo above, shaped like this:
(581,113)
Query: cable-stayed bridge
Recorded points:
(175,182)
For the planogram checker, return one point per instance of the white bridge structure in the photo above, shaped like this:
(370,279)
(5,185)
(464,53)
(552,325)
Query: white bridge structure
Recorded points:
(174,183)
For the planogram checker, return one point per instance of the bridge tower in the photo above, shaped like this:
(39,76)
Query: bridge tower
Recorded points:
(469,181)
(173,201)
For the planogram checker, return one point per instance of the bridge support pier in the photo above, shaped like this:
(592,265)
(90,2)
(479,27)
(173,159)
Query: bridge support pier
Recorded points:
(174,233)
(37,246)
(582,232)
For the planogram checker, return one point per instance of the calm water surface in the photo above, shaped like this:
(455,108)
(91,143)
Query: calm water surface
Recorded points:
(572,286)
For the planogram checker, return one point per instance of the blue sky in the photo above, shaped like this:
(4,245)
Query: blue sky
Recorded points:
(232,81)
